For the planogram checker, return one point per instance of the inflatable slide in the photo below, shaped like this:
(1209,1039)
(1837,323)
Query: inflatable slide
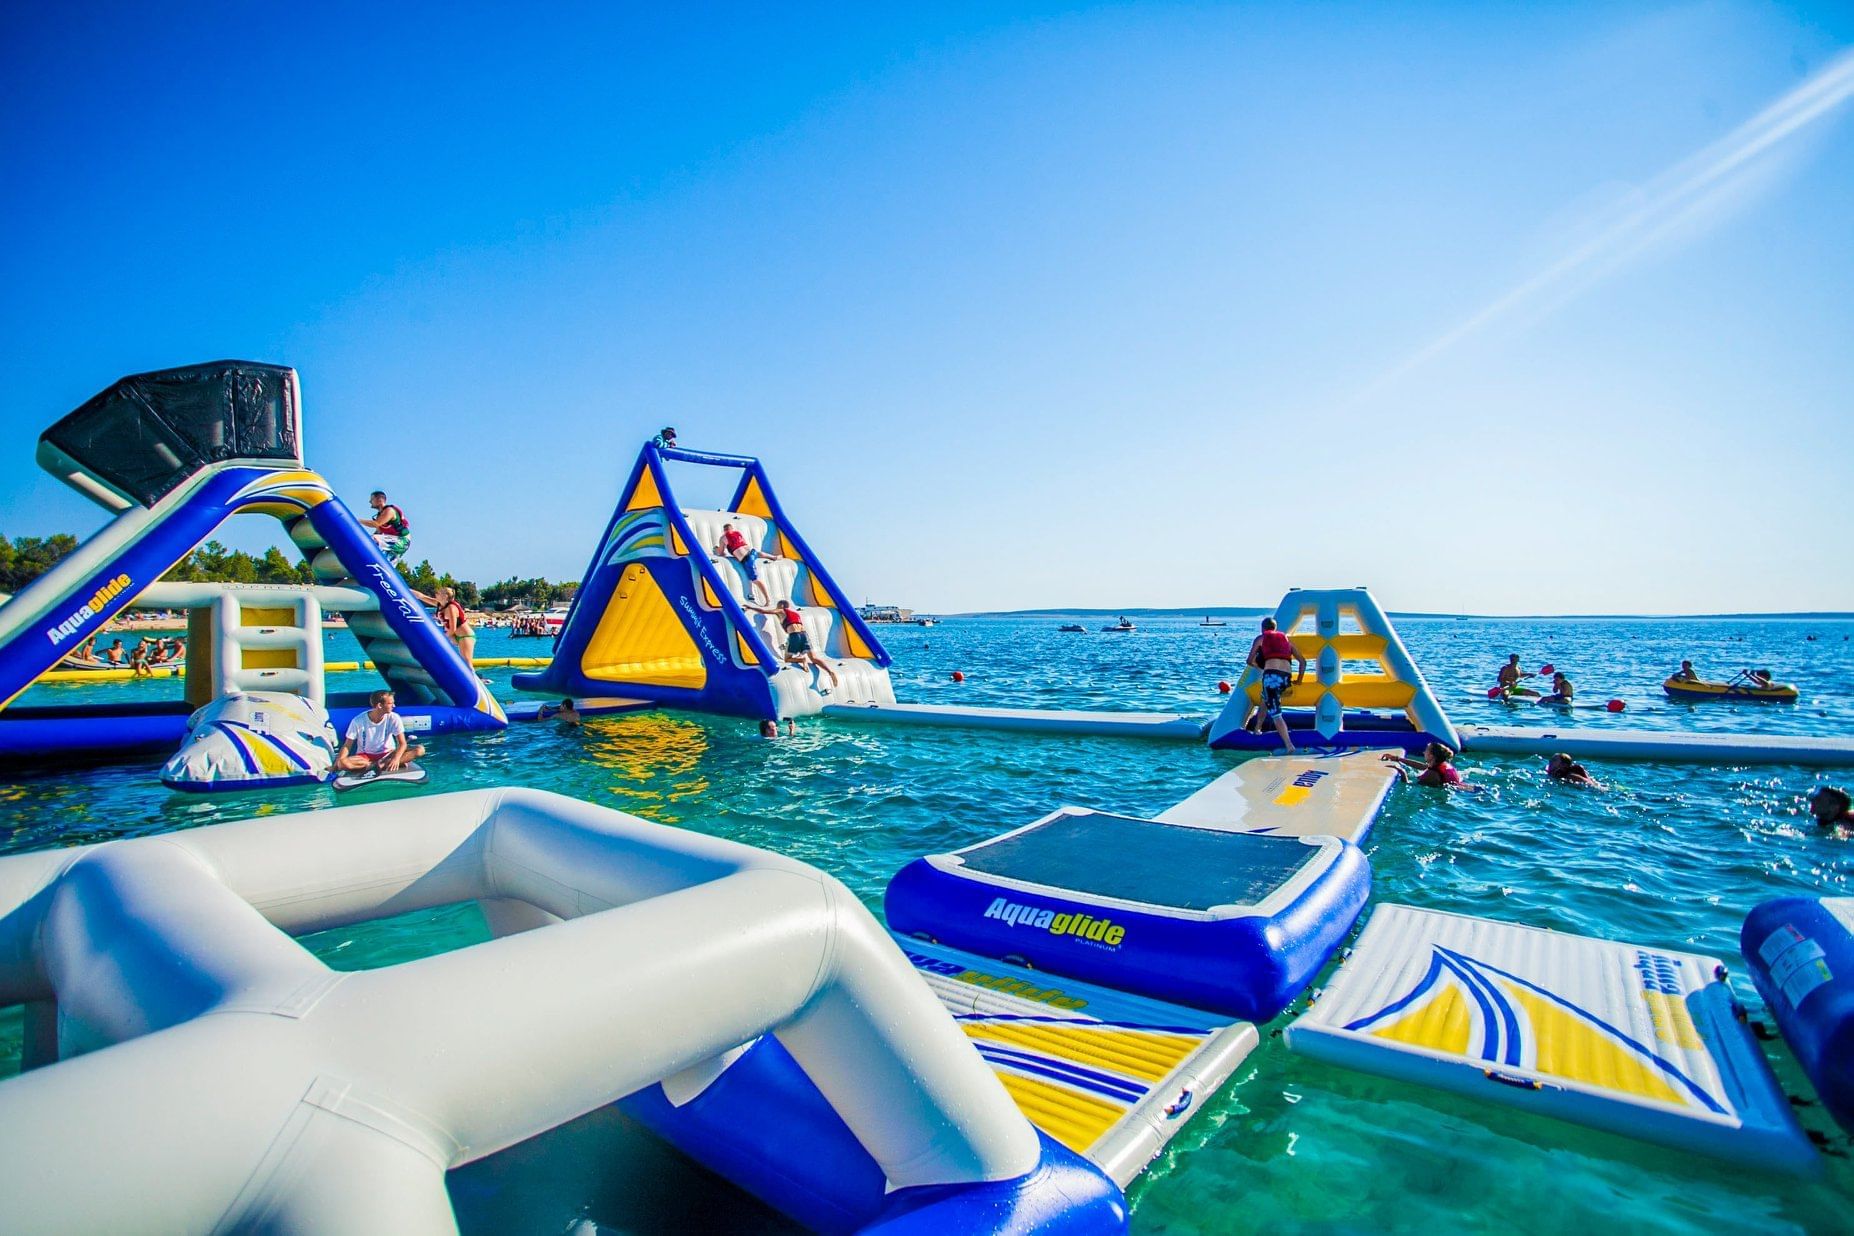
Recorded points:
(661,616)
(172,455)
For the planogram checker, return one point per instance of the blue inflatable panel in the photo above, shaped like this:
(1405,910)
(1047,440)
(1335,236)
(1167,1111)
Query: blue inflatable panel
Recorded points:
(1801,955)
(1237,923)
(762,1124)
(1362,730)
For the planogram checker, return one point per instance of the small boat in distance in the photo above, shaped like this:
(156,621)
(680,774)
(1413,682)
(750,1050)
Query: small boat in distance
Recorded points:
(1071,626)
(1122,625)
(1212,622)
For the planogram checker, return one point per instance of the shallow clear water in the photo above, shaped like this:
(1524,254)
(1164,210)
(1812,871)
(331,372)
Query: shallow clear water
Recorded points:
(1671,856)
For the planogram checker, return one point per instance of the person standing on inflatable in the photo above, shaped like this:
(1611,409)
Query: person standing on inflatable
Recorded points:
(391,532)
(1271,654)
(376,739)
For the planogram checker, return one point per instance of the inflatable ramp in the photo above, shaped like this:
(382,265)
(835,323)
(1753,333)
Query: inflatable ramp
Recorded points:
(173,454)
(1644,1042)
(660,617)
(1111,1076)
(1316,794)
(1362,689)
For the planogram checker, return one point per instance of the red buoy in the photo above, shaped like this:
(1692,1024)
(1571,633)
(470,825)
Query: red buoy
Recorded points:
(1224,688)
(958,677)
(1616,705)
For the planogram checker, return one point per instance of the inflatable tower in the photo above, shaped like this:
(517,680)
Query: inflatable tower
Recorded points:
(172,455)
(660,616)
(1356,666)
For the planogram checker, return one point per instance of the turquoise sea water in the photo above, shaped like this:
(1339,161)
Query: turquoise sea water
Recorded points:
(1672,856)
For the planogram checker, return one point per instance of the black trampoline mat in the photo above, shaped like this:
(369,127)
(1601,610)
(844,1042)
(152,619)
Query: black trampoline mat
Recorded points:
(1145,861)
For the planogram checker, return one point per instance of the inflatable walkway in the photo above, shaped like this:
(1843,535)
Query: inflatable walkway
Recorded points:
(659,616)
(174,454)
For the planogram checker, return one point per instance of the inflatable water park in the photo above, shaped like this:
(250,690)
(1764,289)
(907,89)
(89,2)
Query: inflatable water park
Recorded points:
(1041,1014)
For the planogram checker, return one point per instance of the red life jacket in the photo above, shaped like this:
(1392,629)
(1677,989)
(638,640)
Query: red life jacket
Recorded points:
(1275,647)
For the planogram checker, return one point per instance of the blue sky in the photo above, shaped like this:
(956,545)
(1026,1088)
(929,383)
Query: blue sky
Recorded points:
(1529,308)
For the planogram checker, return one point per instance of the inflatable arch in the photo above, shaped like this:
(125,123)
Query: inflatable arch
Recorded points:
(239,1084)
(174,454)
(659,617)
(1356,663)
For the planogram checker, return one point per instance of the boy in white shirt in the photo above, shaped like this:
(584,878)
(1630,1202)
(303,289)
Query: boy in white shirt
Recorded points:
(376,739)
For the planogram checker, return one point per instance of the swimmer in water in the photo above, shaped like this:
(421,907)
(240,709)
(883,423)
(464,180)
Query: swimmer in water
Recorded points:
(1833,812)
(1435,769)
(1561,767)
(770,728)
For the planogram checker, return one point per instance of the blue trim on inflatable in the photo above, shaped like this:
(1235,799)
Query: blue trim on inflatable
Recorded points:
(763,1125)
(457,683)
(1248,966)
(252,783)
(168,539)
(1801,957)
(1362,730)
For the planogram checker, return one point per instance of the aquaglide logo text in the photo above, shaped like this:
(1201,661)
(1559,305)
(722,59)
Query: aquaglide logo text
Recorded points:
(110,590)
(1082,926)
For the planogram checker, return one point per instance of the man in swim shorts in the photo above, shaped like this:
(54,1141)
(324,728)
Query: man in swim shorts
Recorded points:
(1509,676)
(1561,691)
(733,544)
(1271,654)
(391,532)
(376,739)
(798,650)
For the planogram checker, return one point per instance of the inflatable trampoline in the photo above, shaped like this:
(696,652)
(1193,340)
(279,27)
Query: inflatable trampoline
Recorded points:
(1644,1042)
(1801,954)
(1233,922)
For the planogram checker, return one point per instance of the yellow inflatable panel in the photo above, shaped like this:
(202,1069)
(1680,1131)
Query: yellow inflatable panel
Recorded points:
(1349,647)
(640,638)
(1371,692)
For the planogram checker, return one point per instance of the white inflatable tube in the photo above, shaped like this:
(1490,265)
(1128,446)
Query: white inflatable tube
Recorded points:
(249,1086)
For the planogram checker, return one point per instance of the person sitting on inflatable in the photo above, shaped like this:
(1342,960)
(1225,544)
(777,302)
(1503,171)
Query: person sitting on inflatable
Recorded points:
(1509,676)
(1561,691)
(376,739)
(1833,811)
(1687,673)
(1434,769)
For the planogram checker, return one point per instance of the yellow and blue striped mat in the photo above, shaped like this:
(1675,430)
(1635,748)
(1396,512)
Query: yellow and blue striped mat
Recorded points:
(1646,1042)
(1109,1075)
